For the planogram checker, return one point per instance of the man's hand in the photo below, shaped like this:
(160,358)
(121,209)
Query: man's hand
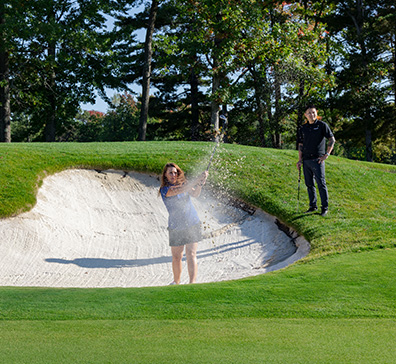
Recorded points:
(323,158)
(299,164)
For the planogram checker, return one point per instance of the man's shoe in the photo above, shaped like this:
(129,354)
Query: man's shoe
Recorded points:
(324,212)
(311,209)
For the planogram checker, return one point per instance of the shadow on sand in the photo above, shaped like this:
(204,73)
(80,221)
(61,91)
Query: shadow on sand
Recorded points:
(131,263)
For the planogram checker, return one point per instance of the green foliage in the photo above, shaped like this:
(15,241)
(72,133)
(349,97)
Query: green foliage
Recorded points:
(88,126)
(23,129)
(364,88)
(261,62)
(59,62)
(121,123)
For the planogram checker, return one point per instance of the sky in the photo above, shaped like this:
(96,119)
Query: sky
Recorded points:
(100,104)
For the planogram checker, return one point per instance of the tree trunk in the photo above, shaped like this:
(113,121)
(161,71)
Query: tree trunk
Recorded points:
(394,67)
(194,106)
(300,111)
(50,126)
(259,84)
(369,146)
(269,113)
(358,21)
(148,54)
(260,112)
(224,125)
(277,135)
(5,111)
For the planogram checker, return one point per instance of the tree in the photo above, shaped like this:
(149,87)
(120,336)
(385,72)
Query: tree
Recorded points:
(5,111)
(362,93)
(282,50)
(178,74)
(10,21)
(88,126)
(148,53)
(217,25)
(61,60)
(121,122)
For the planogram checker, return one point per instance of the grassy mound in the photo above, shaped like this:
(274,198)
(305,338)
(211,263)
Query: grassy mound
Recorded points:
(338,305)
(362,195)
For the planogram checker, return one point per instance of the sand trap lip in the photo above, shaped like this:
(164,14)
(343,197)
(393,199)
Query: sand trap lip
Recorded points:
(109,229)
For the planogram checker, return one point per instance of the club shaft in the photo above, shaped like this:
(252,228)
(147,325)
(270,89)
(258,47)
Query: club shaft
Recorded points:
(211,157)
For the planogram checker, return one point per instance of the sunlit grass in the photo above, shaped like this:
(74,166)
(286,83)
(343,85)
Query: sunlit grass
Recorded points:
(362,195)
(336,306)
(200,341)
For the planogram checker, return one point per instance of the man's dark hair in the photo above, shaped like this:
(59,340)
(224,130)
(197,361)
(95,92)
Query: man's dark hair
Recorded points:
(309,106)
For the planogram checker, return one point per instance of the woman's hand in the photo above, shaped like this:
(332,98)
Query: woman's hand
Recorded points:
(198,183)
(202,178)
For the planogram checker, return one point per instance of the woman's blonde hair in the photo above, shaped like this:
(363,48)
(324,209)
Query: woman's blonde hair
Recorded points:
(181,179)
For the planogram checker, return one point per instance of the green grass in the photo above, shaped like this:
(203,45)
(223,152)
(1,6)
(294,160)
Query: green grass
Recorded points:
(209,341)
(338,305)
(352,285)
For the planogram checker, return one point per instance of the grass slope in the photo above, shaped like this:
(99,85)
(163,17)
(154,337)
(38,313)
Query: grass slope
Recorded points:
(353,285)
(336,306)
(242,341)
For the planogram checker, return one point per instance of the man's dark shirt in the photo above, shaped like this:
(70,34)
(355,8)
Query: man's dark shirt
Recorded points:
(313,138)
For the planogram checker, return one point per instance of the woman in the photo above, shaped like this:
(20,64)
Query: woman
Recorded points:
(183,224)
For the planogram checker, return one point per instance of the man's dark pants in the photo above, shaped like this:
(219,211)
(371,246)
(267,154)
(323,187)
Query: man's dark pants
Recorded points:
(314,170)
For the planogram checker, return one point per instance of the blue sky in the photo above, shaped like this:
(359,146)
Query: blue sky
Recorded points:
(99,104)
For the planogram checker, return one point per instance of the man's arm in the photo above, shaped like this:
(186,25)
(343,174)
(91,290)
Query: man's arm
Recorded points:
(330,146)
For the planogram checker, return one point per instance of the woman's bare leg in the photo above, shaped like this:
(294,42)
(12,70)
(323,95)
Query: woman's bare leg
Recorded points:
(177,256)
(192,266)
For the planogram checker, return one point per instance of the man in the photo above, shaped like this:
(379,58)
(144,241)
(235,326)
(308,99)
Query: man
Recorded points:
(312,154)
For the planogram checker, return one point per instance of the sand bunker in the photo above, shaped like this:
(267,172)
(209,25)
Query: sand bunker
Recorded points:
(109,229)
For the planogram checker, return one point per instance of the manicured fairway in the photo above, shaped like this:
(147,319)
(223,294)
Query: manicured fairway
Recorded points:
(240,340)
(336,310)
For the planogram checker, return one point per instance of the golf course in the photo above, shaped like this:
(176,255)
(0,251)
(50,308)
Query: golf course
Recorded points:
(335,305)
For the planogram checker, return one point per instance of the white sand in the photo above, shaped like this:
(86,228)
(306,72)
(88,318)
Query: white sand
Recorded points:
(109,229)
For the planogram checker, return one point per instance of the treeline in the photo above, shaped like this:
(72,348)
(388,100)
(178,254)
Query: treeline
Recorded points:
(258,62)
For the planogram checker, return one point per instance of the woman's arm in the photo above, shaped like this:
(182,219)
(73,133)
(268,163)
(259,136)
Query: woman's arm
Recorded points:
(193,188)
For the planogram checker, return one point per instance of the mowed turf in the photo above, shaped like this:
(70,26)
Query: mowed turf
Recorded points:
(199,341)
(304,314)
(351,285)
(336,306)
